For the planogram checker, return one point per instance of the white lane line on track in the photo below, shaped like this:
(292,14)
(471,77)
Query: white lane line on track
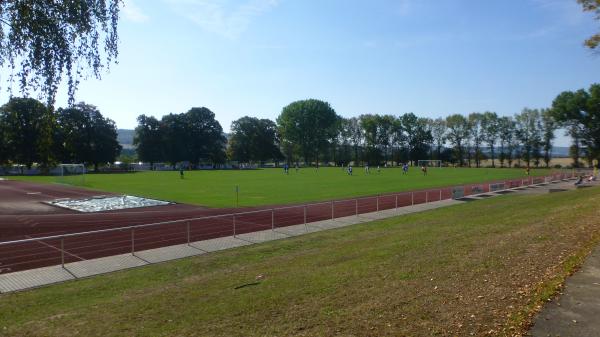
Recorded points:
(55,248)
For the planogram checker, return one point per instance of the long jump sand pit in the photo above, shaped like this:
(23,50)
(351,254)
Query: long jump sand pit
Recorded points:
(107,203)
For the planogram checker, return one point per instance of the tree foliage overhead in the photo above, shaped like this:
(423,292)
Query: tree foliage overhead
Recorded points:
(42,41)
(594,7)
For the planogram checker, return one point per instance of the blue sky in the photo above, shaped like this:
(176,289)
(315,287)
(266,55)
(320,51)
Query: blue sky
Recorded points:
(430,57)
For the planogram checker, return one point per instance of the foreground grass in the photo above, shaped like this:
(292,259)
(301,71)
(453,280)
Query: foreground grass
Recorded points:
(271,186)
(479,268)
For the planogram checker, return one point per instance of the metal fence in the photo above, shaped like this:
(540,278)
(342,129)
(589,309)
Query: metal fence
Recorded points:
(60,249)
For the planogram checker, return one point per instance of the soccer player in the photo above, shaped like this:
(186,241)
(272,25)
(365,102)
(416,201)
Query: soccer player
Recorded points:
(286,168)
(405,168)
(424,169)
(181,172)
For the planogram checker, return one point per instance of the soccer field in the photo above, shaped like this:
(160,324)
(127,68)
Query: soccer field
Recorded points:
(273,187)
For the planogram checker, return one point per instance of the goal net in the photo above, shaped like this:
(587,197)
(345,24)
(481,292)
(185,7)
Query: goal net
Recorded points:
(71,174)
(429,163)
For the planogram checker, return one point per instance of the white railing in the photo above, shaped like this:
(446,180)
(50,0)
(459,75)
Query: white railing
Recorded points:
(63,248)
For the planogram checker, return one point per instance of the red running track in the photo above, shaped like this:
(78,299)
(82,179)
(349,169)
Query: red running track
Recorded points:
(23,215)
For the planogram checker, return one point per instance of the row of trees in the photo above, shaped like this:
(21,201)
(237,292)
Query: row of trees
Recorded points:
(378,139)
(312,132)
(31,132)
(309,131)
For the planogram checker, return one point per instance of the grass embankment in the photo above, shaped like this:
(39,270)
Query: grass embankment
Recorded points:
(271,186)
(480,268)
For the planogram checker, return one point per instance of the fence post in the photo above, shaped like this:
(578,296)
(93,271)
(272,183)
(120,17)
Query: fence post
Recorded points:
(426,196)
(412,198)
(440,194)
(133,241)
(377,198)
(332,207)
(304,215)
(188,232)
(62,251)
(356,206)
(305,226)
(234,225)
(273,219)
(396,201)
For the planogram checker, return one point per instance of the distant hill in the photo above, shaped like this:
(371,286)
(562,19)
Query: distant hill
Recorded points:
(125,138)
(560,151)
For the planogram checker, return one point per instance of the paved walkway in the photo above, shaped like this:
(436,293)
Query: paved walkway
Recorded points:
(70,271)
(576,312)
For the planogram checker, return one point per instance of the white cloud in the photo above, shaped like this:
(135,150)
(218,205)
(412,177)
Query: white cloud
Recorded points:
(133,13)
(221,16)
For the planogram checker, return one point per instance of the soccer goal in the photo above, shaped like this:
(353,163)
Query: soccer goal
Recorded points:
(429,163)
(71,174)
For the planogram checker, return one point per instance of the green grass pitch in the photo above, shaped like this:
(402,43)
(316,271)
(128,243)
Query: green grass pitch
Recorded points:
(273,187)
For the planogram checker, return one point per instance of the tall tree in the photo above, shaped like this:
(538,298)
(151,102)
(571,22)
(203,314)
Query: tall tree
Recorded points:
(344,140)
(417,135)
(399,143)
(386,125)
(72,135)
(371,130)
(46,40)
(438,132)
(254,139)
(204,136)
(579,113)
(506,134)
(27,125)
(174,131)
(548,128)
(148,140)
(86,136)
(356,137)
(490,128)
(477,135)
(458,132)
(105,147)
(309,125)
(528,133)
